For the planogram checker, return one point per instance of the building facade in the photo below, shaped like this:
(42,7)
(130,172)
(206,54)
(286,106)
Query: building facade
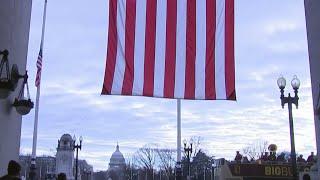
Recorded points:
(65,156)
(312,11)
(117,165)
(49,167)
(85,170)
(46,166)
(14,36)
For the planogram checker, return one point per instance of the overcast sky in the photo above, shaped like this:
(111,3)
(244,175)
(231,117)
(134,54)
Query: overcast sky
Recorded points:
(270,40)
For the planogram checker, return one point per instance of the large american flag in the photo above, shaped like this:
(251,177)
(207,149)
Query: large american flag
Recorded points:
(181,49)
(39,67)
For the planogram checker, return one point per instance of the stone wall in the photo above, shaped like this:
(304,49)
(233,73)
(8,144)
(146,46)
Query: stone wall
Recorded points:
(312,9)
(14,36)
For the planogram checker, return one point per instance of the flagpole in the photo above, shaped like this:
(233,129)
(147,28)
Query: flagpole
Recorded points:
(178,165)
(35,127)
(178,130)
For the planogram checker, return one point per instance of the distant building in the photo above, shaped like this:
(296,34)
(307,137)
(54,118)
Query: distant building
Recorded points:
(100,175)
(65,156)
(117,166)
(85,170)
(48,167)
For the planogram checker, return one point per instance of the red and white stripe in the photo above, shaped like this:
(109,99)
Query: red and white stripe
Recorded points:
(171,48)
(39,68)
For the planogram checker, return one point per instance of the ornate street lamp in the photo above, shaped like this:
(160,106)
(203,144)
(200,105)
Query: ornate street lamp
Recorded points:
(295,83)
(188,152)
(23,105)
(77,147)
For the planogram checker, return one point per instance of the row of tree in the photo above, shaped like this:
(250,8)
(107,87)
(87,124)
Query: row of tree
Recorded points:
(153,162)
(256,149)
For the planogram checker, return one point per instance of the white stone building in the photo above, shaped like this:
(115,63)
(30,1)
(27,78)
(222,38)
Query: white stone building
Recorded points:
(49,167)
(312,12)
(117,166)
(65,156)
(14,36)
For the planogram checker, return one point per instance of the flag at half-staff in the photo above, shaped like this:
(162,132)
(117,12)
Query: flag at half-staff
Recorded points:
(39,68)
(181,49)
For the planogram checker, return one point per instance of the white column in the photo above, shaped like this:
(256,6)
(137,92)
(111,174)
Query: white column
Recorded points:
(14,36)
(312,10)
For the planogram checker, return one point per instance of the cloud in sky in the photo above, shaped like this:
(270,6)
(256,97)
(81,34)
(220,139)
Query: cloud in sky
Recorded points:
(270,40)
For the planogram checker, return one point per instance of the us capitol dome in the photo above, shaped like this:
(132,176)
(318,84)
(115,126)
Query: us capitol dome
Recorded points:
(117,160)
(117,166)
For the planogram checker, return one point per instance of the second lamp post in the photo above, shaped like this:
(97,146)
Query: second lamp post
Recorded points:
(77,147)
(295,83)
(188,152)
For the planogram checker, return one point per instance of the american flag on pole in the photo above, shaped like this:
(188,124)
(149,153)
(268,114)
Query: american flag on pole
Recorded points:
(39,67)
(181,49)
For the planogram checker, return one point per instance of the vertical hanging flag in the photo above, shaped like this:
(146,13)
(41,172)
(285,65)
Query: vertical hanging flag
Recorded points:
(39,68)
(182,49)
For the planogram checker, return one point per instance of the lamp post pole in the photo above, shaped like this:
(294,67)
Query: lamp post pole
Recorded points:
(212,171)
(77,147)
(188,152)
(295,83)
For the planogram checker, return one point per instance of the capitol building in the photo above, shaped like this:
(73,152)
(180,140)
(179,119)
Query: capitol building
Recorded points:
(117,166)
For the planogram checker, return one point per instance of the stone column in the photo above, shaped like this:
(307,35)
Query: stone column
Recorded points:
(14,36)
(312,10)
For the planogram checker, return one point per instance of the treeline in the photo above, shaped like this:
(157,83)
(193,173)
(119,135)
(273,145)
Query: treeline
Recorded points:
(155,163)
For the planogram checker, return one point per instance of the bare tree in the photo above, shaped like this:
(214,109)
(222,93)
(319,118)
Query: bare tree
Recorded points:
(167,160)
(255,149)
(146,158)
(131,167)
(263,146)
(201,164)
(196,142)
(250,151)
